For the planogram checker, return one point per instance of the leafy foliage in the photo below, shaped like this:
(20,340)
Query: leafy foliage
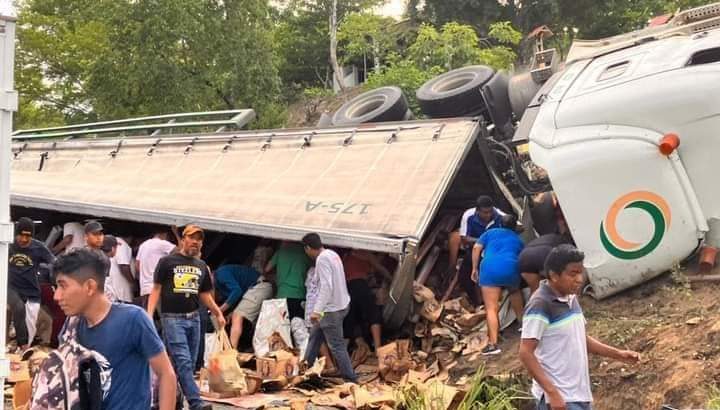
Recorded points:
(713,402)
(435,52)
(88,59)
(493,394)
(406,75)
(364,35)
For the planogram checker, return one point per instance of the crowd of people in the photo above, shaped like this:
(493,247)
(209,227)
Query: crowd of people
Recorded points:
(554,345)
(159,296)
(149,306)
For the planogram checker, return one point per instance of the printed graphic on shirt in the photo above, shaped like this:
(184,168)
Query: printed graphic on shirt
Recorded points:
(20,260)
(186,279)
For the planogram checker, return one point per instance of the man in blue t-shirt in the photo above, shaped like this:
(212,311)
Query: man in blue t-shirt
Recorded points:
(475,222)
(123,334)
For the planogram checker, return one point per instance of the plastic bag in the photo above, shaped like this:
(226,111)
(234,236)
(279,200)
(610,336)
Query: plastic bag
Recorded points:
(211,347)
(224,372)
(273,319)
(300,334)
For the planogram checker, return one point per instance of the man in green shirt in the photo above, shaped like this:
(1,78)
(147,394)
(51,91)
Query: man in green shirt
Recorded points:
(291,264)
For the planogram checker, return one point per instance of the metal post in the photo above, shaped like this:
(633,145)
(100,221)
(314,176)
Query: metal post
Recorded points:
(8,104)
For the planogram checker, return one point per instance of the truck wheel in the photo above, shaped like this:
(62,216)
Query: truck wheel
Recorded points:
(379,105)
(455,93)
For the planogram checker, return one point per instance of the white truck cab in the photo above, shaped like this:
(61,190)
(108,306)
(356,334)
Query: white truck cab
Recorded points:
(628,136)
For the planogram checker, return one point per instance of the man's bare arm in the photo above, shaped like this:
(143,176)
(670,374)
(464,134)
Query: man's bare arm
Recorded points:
(468,240)
(153,299)
(531,363)
(167,381)
(209,301)
(595,346)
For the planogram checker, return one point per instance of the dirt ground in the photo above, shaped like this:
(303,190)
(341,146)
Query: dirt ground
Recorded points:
(676,328)
(306,111)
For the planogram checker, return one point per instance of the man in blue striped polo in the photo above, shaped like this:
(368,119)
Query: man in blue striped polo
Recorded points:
(554,346)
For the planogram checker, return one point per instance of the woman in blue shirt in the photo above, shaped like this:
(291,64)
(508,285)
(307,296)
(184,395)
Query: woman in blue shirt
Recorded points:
(498,270)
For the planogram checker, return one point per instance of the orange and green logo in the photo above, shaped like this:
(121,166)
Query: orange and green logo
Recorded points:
(649,202)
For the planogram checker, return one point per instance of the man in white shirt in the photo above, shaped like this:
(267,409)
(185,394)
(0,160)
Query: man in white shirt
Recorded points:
(118,286)
(149,253)
(330,308)
(73,238)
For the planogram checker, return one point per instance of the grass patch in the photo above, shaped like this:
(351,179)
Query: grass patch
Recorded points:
(485,393)
(493,393)
(713,402)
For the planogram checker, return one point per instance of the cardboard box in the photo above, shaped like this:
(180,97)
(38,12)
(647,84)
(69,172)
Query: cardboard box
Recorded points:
(278,364)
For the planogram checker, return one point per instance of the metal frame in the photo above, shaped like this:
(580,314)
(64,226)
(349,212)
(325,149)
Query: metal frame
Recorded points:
(239,119)
(336,238)
(8,105)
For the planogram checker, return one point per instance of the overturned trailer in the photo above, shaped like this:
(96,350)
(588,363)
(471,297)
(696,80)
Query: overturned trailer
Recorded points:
(376,186)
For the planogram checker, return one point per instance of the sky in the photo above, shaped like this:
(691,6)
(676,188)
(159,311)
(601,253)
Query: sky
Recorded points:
(6,8)
(393,8)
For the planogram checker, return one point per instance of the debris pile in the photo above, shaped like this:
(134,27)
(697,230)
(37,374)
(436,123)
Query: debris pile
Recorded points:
(400,372)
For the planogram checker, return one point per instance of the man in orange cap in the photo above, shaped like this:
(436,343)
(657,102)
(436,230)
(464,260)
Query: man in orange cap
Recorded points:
(182,280)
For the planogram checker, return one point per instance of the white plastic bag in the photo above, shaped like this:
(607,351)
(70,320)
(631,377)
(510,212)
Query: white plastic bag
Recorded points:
(300,334)
(211,347)
(274,318)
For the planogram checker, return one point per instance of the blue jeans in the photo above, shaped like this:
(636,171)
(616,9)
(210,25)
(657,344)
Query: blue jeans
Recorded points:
(330,331)
(576,405)
(182,339)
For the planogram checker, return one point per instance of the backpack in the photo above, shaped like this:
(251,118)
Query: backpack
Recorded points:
(72,377)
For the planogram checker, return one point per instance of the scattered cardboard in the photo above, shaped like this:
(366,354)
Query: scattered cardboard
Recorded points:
(243,358)
(470,320)
(366,373)
(298,404)
(373,396)
(277,343)
(278,364)
(332,399)
(422,293)
(22,393)
(19,369)
(256,401)
(475,343)
(394,360)
(431,310)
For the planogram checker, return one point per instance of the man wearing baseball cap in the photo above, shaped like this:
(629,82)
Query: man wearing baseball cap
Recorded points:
(25,256)
(181,282)
(94,239)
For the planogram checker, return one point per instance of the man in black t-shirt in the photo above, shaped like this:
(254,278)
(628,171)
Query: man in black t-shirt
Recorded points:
(24,259)
(94,239)
(181,282)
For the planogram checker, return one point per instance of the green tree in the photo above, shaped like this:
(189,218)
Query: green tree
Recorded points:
(457,45)
(364,36)
(108,59)
(404,74)
(435,52)
(302,39)
(594,19)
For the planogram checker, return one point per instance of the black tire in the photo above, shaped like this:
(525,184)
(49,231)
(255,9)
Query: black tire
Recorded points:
(455,93)
(379,105)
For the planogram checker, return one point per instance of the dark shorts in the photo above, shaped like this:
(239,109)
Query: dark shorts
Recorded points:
(363,309)
(532,260)
(295,308)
